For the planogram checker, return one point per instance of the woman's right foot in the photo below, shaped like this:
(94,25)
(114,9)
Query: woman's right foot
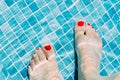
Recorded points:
(89,49)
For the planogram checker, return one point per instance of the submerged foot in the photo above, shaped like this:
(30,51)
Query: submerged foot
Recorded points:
(43,65)
(88,47)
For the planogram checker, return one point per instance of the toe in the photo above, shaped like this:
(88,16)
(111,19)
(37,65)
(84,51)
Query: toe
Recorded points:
(80,30)
(48,49)
(36,58)
(29,70)
(41,54)
(32,65)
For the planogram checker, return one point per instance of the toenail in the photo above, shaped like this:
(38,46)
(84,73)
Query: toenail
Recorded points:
(80,23)
(38,48)
(32,58)
(89,24)
(48,47)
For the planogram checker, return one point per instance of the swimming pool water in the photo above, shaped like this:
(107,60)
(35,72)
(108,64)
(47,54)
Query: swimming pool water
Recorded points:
(28,24)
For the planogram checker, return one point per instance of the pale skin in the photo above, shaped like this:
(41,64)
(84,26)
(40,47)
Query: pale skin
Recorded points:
(88,47)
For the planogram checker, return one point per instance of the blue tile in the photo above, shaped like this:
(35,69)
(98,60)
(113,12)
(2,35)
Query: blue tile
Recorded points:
(100,22)
(21,52)
(38,2)
(19,17)
(25,25)
(37,28)
(65,27)
(9,2)
(111,12)
(19,65)
(68,47)
(117,39)
(23,38)
(3,6)
(104,73)
(107,5)
(57,45)
(67,61)
(2,55)
(39,15)
(2,20)
(33,7)
(16,44)
(21,4)
(14,57)
(7,62)
(32,20)
(67,15)
(35,41)
(105,17)
(118,27)
(52,5)
(104,42)
(58,2)
(45,23)
(115,63)
(84,13)
(74,11)
(116,51)
(90,8)
(117,7)
(61,20)
(12,70)
(86,2)
(59,33)
(70,35)
(47,30)
(68,3)
(17,77)
(27,12)
(7,14)
(1,33)
(24,73)
(15,9)
(45,10)
(28,1)
(112,44)
(12,22)
(110,25)
(115,19)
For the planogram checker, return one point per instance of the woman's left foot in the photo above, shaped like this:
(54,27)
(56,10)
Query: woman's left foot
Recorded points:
(43,65)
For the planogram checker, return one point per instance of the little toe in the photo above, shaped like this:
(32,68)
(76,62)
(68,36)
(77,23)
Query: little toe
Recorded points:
(48,49)
(41,54)
(32,65)
(29,69)
(36,58)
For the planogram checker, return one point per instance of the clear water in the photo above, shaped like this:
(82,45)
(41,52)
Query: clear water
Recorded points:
(28,24)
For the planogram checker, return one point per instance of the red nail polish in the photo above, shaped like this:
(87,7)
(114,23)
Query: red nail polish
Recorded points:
(89,24)
(80,23)
(48,47)
(32,58)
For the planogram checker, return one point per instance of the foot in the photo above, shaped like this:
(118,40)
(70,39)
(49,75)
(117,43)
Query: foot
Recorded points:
(43,65)
(88,48)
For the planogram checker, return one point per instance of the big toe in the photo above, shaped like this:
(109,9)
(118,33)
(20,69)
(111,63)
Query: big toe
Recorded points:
(49,52)
(80,31)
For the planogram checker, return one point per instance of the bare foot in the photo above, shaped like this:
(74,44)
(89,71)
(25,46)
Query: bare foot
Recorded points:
(88,47)
(43,65)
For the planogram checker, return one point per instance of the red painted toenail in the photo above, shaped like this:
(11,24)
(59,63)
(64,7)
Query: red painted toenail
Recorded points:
(32,58)
(89,24)
(48,47)
(80,23)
